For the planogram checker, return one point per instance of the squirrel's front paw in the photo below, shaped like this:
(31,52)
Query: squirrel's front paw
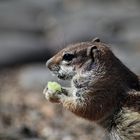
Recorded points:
(52,96)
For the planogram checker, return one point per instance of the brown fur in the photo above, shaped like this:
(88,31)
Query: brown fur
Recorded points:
(108,92)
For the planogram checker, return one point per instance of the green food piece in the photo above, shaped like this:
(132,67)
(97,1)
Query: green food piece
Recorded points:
(54,86)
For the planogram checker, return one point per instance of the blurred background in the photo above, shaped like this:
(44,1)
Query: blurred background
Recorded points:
(31,31)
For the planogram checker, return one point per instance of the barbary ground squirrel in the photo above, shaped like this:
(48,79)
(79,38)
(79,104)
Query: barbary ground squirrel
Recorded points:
(102,89)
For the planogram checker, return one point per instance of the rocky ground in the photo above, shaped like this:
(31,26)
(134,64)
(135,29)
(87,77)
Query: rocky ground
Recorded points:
(26,115)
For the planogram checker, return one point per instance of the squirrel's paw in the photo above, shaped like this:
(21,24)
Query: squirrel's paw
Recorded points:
(52,96)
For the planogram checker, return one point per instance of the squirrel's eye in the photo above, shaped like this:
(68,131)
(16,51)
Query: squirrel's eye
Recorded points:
(68,57)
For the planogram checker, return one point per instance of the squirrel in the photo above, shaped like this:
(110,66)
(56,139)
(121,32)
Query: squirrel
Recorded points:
(102,88)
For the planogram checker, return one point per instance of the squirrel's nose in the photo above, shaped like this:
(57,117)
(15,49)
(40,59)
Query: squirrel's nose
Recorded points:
(48,63)
(51,66)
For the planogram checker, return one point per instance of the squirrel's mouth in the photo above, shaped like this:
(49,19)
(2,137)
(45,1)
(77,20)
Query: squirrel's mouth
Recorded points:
(64,77)
(63,74)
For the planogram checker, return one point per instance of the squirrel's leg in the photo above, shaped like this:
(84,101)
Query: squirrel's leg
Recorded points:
(75,102)
(57,96)
(66,97)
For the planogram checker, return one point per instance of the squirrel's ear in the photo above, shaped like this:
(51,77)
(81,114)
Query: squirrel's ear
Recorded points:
(96,39)
(91,51)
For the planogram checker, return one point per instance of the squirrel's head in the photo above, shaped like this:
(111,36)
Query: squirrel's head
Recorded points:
(91,58)
(79,58)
